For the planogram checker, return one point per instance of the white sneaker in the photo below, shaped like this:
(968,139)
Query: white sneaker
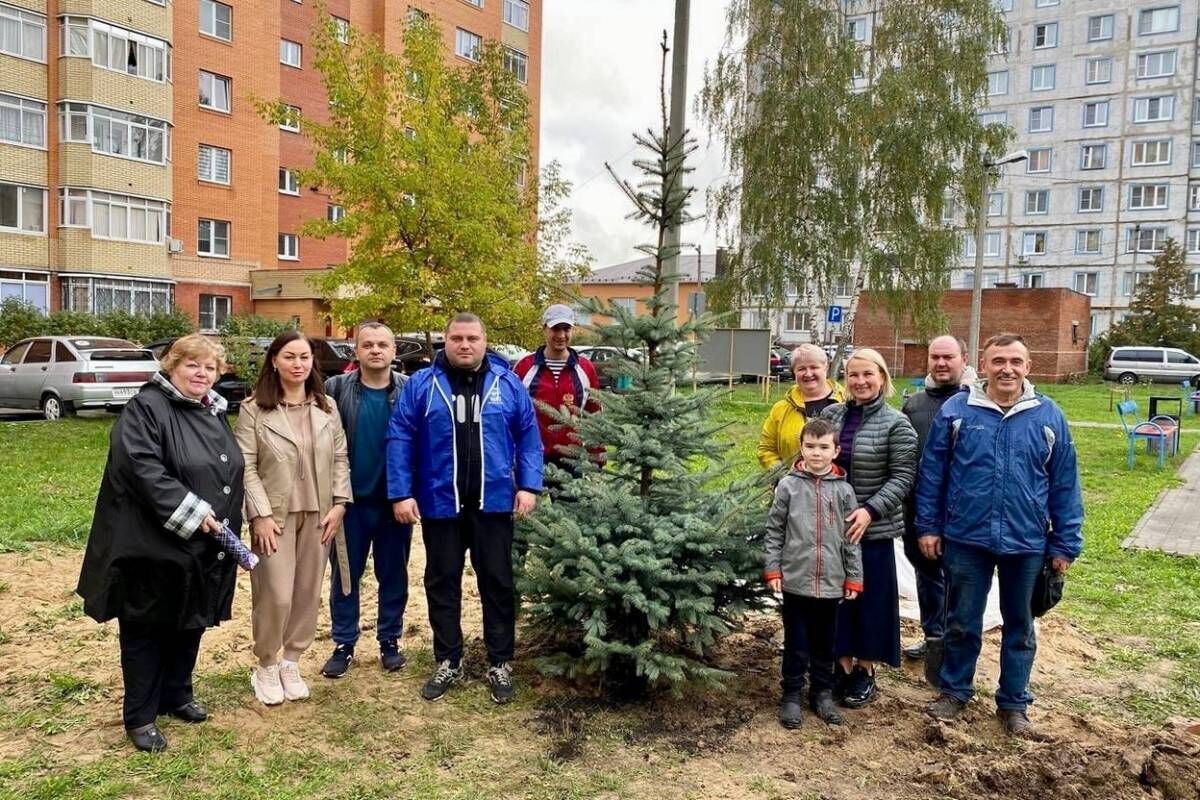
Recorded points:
(267,688)
(294,687)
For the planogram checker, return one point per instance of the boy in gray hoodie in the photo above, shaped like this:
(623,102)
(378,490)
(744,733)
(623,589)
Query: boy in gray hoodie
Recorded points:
(810,560)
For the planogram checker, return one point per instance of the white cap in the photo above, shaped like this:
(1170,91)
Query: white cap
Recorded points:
(558,314)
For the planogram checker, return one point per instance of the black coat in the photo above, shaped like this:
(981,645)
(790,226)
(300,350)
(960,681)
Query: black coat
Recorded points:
(136,569)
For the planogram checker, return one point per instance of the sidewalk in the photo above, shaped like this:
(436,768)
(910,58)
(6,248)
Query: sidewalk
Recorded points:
(1172,523)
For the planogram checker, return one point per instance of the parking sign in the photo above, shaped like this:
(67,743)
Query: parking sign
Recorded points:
(834,317)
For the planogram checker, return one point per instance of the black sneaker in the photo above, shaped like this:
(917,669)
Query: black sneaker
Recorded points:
(339,662)
(147,738)
(822,705)
(915,652)
(499,679)
(390,657)
(439,683)
(791,712)
(861,689)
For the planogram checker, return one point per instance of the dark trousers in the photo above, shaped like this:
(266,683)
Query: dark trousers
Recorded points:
(931,589)
(370,526)
(156,666)
(809,625)
(489,538)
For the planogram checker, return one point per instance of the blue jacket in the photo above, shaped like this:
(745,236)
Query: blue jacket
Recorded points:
(421,456)
(1004,482)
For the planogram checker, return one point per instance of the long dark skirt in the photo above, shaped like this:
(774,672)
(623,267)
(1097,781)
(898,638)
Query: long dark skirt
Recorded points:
(869,627)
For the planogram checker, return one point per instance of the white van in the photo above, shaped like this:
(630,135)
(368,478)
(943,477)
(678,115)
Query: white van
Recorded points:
(1129,365)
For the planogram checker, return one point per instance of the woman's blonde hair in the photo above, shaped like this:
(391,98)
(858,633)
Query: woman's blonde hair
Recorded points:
(194,346)
(808,350)
(872,356)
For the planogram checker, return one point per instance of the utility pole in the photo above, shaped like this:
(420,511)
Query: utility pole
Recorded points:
(679,48)
(980,222)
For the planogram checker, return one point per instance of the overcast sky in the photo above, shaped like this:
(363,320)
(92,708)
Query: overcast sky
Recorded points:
(600,67)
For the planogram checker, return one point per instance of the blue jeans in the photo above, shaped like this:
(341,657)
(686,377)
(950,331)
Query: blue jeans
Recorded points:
(370,525)
(931,589)
(968,577)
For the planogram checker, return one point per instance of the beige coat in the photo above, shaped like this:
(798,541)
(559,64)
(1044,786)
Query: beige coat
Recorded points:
(271,453)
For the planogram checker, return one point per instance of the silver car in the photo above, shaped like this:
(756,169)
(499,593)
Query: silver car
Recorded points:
(63,374)
(1128,365)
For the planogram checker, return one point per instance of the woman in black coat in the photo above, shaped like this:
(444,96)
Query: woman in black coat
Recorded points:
(173,478)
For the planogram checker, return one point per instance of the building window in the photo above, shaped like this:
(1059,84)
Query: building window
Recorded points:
(216,19)
(991,245)
(334,213)
(990,279)
(1088,282)
(214,91)
(1039,159)
(30,287)
(1045,3)
(1087,243)
(22,208)
(289,246)
(1194,279)
(1100,28)
(1196,153)
(213,164)
(126,218)
(289,53)
(1095,115)
(627,303)
(1093,156)
(116,49)
(1158,20)
(516,13)
(997,83)
(476,3)
(1000,45)
(797,321)
(341,30)
(467,44)
(1145,240)
(1003,5)
(1156,65)
(1154,109)
(289,181)
(1091,198)
(22,121)
(214,309)
(1193,240)
(1045,35)
(1130,280)
(1033,280)
(992,118)
(1143,196)
(1150,152)
(22,33)
(1041,78)
(291,119)
(212,238)
(995,204)
(100,295)
(1194,197)
(1033,243)
(1041,119)
(856,28)
(517,63)
(115,133)
(1037,201)
(1098,70)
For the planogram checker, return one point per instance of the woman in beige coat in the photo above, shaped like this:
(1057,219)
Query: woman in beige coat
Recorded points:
(297,487)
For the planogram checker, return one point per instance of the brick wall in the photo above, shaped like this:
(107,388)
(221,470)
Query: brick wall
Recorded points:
(187,297)
(79,166)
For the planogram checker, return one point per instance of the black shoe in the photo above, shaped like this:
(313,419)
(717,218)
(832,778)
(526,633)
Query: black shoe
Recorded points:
(861,689)
(934,655)
(945,707)
(190,712)
(148,738)
(1015,721)
(339,661)
(439,683)
(499,679)
(841,682)
(822,705)
(791,712)
(915,652)
(390,657)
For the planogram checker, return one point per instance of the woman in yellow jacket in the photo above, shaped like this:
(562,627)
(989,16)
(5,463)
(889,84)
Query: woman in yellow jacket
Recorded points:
(779,441)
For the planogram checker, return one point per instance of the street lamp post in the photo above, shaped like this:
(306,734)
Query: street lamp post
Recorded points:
(980,225)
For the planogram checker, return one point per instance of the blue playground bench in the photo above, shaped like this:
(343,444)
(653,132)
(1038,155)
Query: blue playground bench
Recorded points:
(1161,433)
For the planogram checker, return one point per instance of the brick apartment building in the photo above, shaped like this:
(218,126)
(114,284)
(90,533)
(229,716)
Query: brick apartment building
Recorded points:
(135,173)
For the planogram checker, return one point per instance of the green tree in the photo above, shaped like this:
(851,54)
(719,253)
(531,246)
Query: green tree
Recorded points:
(19,320)
(1158,312)
(425,159)
(634,570)
(244,337)
(843,156)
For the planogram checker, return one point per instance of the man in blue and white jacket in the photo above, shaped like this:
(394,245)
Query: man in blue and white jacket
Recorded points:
(463,457)
(998,491)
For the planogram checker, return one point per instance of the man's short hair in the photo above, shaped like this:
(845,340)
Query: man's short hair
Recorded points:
(1004,340)
(817,429)
(372,325)
(466,318)
(962,346)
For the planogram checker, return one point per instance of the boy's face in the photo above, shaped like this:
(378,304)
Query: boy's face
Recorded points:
(818,452)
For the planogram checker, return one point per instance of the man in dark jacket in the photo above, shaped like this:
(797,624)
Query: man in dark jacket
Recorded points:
(464,457)
(947,358)
(365,399)
(998,492)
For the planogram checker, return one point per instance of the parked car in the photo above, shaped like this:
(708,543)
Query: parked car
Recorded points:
(64,374)
(781,363)
(512,353)
(333,356)
(229,385)
(1128,365)
(605,360)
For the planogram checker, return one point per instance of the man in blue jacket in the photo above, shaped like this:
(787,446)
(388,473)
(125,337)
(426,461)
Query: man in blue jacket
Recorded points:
(463,457)
(998,491)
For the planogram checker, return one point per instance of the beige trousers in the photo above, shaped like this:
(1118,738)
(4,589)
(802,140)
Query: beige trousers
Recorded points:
(285,590)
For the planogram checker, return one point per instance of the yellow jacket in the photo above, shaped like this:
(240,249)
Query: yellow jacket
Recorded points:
(780,437)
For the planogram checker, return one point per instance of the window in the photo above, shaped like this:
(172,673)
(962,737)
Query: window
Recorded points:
(627,303)
(997,83)
(1037,201)
(1003,5)
(289,53)
(213,164)
(212,238)
(1149,152)
(1041,119)
(1145,240)
(1045,3)
(990,279)
(1045,35)
(216,19)
(1098,70)
(334,212)
(1088,282)
(1100,28)
(99,295)
(116,49)
(289,246)
(797,321)
(1033,243)
(991,245)
(1091,198)
(1086,243)
(516,13)
(214,91)
(995,204)
(1000,46)
(1144,196)
(1093,156)
(1196,111)
(73,208)
(115,133)
(22,208)
(1033,280)
(289,181)
(1196,153)
(517,63)
(1153,109)
(1193,241)
(1095,114)
(1039,159)
(32,287)
(291,119)
(992,118)
(1194,283)
(1194,197)
(1042,78)
(476,3)
(1130,280)
(22,33)
(1158,20)
(341,30)
(467,44)
(214,309)
(522,173)
(856,28)
(126,218)
(22,121)
(1156,65)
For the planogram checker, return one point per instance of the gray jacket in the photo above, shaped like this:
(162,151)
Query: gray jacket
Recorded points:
(806,541)
(346,391)
(883,464)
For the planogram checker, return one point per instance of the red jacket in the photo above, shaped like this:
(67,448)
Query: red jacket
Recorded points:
(574,388)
